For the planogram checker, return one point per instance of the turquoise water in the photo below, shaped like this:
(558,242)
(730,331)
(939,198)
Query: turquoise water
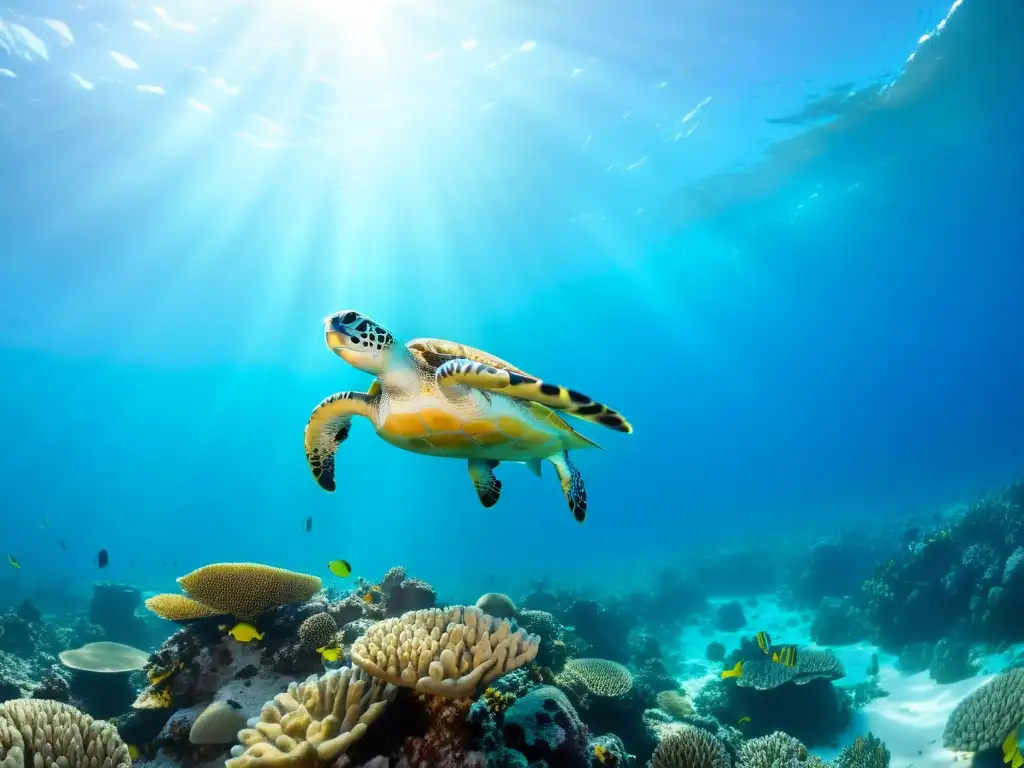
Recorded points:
(779,240)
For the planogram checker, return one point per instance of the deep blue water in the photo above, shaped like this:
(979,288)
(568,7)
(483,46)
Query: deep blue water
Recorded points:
(805,295)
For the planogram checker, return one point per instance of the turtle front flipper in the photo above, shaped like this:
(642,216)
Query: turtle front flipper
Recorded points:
(327,428)
(572,485)
(486,377)
(488,487)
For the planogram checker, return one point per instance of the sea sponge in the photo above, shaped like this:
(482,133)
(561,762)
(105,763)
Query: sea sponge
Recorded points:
(596,677)
(246,590)
(318,631)
(314,722)
(443,652)
(497,605)
(179,608)
(676,704)
(866,752)
(777,750)
(219,723)
(987,716)
(48,734)
(690,747)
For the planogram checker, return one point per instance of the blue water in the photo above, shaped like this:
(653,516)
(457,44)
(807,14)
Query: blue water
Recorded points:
(786,254)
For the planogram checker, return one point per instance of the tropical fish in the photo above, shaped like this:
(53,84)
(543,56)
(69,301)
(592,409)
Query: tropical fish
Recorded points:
(102,558)
(62,544)
(329,653)
(559,643)
(244,632)
(786,656)
(309,524)
(604,755)
(13,561)
(736,671)
(764,641)
(743,720)
(1011,751)
(372,594)
(340,568)
(133,752)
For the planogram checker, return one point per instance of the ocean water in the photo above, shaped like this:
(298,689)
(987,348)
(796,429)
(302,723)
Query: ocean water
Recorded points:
(782,239)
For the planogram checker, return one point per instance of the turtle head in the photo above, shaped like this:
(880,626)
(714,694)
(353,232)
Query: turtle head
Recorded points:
(359,341)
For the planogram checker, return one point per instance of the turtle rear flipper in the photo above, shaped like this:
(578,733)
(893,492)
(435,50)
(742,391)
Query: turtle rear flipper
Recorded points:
(572,485)
(476,375)
(488,487)
(328,427)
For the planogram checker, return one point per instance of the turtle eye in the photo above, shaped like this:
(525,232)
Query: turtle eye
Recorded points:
(349,318)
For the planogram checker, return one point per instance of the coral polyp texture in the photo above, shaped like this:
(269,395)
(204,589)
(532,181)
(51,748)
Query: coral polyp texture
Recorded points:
(318,631)
(314,722)
(179,608)
(246,590)
(443,652)
(596,677)
(689,747)
(48,734)
(987,716)
(776,749)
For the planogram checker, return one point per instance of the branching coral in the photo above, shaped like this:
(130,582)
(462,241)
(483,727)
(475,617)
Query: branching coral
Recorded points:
(315,722)
(866,752)
(675,704)
(443,652)
(596,677)
(688,747)
(47,734)
(987,716)
(245,590)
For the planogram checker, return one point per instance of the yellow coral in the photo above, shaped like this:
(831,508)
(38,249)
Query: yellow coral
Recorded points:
(246,590)
(179,608)
(597,677)
(314,722)
(497,701)
(443,652)
(47,733)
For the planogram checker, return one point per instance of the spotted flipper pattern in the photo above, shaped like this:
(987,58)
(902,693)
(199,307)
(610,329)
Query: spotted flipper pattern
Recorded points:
(486,377)
(488,487)
(327,428)
(572,485)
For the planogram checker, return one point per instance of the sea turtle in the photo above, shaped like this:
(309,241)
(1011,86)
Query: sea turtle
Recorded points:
(441,398)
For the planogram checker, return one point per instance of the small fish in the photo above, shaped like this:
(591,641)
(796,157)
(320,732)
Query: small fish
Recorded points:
(1011,751)
(329,653)
(743,720)
(764,641)
(368,598)
(736,671)
(63,546)
(604,755)
(309,524)
(13,561)
(786,656)
(340,568)
(559,643)
(244,632)
(133,752)
(102,559)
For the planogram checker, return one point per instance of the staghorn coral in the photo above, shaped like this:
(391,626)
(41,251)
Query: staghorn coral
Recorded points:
(246,590)
(866,752)
(689,747)
(777,750)
(318,631)
(179,608)
(443,652)
(676,704)
(596,677)
(988,715)
(315,722)
(48,734)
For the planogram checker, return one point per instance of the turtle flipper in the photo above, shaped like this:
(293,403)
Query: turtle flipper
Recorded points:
(481,376)
(327,428)
(488,487)
(572,485)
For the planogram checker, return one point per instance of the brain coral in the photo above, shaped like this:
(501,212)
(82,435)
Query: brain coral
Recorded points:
(443,652)
(318,631)
(179,608)
(314,722)
(246,590)
(987,716)
(47,734)
(597,677)
(689,747)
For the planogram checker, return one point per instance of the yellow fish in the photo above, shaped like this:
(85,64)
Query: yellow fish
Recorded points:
(736,671)
(340,568)
(133,752)
(785,656)
(559,643)
(743,721)
(245,633)
(329,653)
(13,561)
(1011,751)
(764,641)
(603,755)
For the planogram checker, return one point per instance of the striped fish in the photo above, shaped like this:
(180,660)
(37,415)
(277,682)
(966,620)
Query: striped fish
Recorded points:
(764,641)
(786,656)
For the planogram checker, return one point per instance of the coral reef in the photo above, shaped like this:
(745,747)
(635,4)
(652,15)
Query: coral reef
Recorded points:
(866,752)
(838,621)
(36,732)
(729,617)
(987,716)
(689,747)
(113,607)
